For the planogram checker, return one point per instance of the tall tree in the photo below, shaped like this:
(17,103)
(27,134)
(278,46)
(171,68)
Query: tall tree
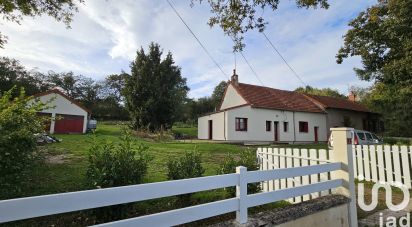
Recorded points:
(155,90)
(218,93)
(15,10)
(237,17)
(382,37)
(115,84)
(12,73)
(320,91)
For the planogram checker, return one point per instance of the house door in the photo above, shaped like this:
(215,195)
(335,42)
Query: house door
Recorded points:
(210,129)
(316,133)
(276,130)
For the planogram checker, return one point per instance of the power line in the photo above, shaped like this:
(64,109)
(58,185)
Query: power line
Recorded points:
(251,68)
(200,43)
(290,67)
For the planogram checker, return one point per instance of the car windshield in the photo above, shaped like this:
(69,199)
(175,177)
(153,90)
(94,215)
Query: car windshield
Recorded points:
(361,135)
(368,136)
(375,137)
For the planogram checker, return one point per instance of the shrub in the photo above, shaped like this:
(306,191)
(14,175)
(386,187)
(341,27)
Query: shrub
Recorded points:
(187,166)
(243,158)
(19,123)
(116,164)
(397,141)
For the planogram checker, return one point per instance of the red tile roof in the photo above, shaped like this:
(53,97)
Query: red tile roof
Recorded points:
(339,103)
(270,98)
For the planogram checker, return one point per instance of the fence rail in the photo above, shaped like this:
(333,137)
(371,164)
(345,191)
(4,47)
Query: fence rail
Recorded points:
(23,208)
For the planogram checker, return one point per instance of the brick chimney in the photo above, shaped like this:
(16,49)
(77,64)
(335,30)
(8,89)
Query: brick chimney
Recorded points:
(235,78)
(352,96)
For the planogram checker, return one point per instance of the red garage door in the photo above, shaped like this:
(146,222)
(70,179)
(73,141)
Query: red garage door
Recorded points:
(68,123)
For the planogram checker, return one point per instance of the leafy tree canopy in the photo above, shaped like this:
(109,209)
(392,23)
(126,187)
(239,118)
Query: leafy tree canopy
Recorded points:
(236,17)
(218,93)
(15,10)
(320,91)
(382,37)
(155,91)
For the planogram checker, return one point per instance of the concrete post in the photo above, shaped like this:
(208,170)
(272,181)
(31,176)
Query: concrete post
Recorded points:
(341,141)
(52,123)
(241,193)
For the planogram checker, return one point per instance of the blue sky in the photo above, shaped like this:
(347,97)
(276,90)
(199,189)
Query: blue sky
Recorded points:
(106,34)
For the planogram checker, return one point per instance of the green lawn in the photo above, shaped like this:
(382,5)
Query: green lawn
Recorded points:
(189,131)
(68,176)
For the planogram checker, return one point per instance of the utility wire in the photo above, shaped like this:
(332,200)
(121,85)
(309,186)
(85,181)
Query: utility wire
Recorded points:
(251,68)
(200,43)
(247,62)
(290,67)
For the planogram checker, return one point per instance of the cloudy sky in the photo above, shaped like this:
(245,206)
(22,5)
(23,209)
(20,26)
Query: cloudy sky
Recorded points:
(106,34)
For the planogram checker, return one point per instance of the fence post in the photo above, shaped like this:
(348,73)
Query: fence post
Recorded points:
(342,152)
(241,193)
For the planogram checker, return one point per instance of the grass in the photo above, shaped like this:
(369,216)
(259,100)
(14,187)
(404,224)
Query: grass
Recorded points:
(49,178)
(189,131)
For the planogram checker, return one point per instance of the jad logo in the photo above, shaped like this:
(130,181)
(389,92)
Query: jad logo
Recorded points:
(390,220)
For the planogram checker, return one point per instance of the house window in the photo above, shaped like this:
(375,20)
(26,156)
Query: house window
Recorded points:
(285,126)
(241,124)
(303,126)
(268,124)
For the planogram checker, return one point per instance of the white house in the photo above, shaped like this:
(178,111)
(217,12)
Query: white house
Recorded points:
(262,114)
(67,114)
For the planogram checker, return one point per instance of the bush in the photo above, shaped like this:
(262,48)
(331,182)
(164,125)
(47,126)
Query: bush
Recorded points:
(397,141)
(19,123)
(112,165)
(243,158)
(188,166)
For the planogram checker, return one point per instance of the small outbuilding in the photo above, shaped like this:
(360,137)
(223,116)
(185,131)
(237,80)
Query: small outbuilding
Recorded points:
(68,116)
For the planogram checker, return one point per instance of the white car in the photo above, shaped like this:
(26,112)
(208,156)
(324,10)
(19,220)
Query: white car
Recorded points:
(360,137)
(365,138)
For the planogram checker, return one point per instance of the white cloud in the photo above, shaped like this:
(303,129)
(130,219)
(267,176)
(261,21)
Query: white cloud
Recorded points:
(106,34)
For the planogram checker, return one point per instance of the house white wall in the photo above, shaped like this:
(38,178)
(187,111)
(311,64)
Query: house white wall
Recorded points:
(218,122)
(61,105)
(232,98)
(257,124)
(314,120)
(257,118)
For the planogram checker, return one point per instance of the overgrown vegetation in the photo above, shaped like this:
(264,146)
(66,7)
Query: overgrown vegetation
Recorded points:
(19,123)
(244,158)
(187,166)
(116,164)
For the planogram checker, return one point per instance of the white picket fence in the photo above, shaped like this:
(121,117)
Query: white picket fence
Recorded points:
(281,158)
(23,208)
(384,164)
(377,163)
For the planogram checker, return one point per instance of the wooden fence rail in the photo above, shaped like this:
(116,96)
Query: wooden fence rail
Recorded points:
(23,208)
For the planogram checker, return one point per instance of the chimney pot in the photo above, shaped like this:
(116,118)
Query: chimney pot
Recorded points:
(235,78)
(352,97)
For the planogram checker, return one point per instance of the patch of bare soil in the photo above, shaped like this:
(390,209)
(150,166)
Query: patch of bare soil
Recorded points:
(56,159)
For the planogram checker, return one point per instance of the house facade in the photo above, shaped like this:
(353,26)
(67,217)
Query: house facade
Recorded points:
(250,113)
(67,116)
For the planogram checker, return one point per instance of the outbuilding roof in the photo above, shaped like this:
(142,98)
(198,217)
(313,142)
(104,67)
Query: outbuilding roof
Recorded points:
(271,98)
